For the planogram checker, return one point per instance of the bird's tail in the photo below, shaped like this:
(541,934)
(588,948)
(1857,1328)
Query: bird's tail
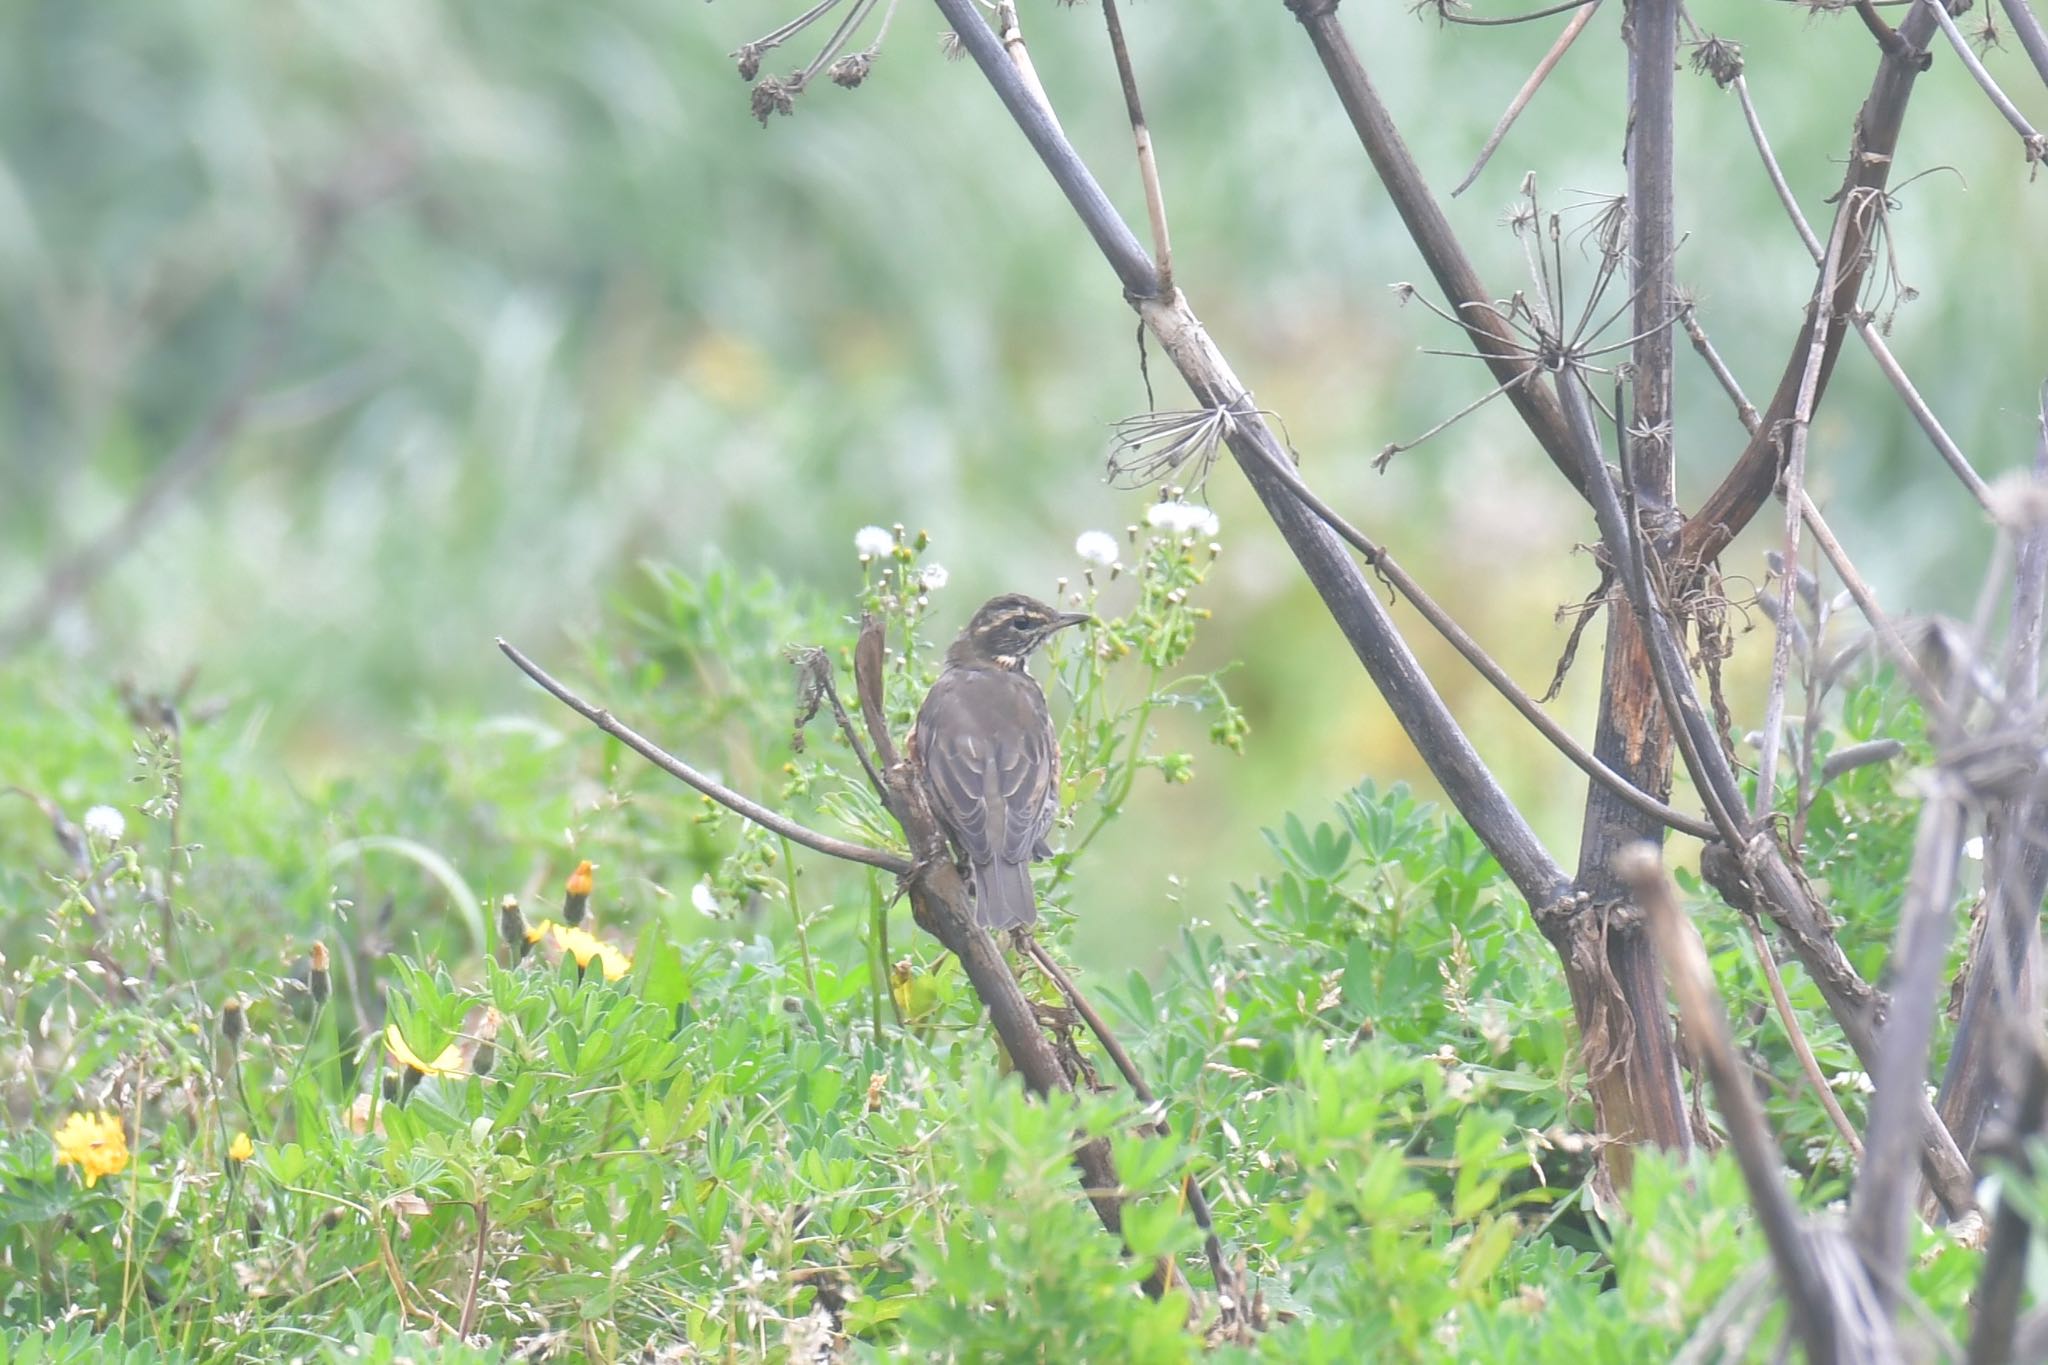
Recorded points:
(1003,898)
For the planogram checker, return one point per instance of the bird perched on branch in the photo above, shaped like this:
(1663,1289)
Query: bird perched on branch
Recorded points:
(985,750)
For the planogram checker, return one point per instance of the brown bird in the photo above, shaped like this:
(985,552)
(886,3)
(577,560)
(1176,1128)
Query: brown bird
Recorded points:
(985,747)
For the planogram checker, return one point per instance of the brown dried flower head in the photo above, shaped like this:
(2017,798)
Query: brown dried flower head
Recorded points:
(849,71)
(775,96)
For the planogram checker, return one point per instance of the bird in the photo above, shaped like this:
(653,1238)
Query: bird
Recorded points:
(985,750)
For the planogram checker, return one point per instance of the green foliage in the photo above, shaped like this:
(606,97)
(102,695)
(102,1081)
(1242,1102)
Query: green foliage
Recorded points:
(783,1129)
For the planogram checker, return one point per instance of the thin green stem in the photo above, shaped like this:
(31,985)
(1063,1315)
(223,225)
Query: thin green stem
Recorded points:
(796,914)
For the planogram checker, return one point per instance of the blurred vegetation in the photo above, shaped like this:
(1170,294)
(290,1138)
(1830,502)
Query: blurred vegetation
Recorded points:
(606,317)
(344,1119)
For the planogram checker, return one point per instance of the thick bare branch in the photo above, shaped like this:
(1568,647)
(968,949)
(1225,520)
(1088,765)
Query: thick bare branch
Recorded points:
(1431,231)
(1359,613)
(1757,873)
(1028,109)
(1756,471)
(1873,340)
(1882,1204)
(2027,25)
(1996,1304)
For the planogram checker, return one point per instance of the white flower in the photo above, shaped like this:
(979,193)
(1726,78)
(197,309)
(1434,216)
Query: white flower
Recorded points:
(104,822)
(1974,849)
(873,541)
(701,897)
(934,577)
(1182,517)
(1097,547)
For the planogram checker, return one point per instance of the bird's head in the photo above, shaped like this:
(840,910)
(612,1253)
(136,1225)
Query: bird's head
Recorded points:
(1006,629)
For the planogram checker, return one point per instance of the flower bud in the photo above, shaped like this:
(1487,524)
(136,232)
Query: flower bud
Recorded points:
(321,983)
(512,928)
(577,899)
(232,1023)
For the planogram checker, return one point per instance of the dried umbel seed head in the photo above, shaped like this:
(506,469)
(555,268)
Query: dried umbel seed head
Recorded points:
(576,898)
(319,979)
(232,1023)
(1720,59)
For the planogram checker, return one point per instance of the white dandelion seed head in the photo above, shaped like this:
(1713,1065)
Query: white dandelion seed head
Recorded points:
(873,541)
(104,822)
(701,897)
(934,577)
(1097,547)
(1180,518)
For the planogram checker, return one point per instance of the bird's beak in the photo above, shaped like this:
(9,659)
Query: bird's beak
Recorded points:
(1071,618)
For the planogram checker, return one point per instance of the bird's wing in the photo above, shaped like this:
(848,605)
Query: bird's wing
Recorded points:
(987,750)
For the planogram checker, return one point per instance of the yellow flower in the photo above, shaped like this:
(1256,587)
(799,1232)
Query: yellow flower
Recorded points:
(241,1149)
(95,1143)
(583,945)
(449,1063)
(536,932)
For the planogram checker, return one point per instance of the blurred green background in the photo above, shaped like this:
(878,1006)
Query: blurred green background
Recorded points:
(604,317)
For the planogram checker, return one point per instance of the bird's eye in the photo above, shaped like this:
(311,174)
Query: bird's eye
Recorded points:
(1019,621)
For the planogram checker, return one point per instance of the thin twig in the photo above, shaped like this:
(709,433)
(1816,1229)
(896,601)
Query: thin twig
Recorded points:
(1880,351)
(1013,42)
(1745,411)
(1484,664)
(773,821)
(1572,30)
(1860,591)
(1772,169)
(1141,135)
(817,669)
(2036,145)
(1795,502)
(1548,11)
(1808,1063)
(467,1323)
(1198,1205)
(1944,444)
